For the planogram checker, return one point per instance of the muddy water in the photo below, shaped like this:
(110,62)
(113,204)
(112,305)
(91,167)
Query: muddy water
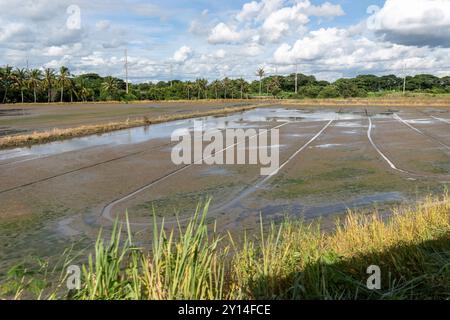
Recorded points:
(58,191)
(164,130)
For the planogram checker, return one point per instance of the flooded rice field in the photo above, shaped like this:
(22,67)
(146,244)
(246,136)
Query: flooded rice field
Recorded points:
(331,160)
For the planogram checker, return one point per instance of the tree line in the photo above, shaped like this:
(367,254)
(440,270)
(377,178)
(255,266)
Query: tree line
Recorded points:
(48,85)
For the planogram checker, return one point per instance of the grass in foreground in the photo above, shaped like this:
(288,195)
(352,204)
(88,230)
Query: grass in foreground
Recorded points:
(291,261)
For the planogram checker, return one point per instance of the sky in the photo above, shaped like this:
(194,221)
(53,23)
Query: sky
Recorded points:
(178,39)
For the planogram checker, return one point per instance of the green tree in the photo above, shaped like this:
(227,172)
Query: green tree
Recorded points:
(260,73)
(226,85)
(215,86)
(242,84)
(329,91)
(63,80)
(201,85)
(34,81)
(189,87)
(20,81)
(110,85)
(82,89)
(7,78)
(48,82)
(274,86)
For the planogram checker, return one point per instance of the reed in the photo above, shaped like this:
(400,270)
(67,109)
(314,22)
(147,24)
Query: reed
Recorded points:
(291,260)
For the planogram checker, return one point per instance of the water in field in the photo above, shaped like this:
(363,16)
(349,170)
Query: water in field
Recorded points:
(164,130)
(339,170)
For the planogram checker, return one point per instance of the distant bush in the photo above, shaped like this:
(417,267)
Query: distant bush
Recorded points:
(329,91)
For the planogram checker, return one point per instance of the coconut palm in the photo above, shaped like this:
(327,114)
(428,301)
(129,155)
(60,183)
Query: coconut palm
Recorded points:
(110,85)
(225,84)
(204,86)
(34,80)
(201,85)
(82,90)
(189,88)
(20,81)
(260,73)
(48,81)
(215,85)
(6,77)
(63,79)
(241,83)
(274,86)
(72,89)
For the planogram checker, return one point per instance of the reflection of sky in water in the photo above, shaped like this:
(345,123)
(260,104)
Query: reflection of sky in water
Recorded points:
(420,121)
(164,130)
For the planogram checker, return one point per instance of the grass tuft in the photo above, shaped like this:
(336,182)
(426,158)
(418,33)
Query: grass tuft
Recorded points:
(292,260)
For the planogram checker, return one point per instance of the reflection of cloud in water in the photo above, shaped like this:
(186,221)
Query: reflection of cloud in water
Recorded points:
(243,120)
(329,145)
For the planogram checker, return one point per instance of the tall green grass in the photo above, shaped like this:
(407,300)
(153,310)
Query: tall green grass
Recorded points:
(292,260)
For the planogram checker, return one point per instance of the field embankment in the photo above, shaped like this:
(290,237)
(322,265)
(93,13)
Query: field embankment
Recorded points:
(387,101)
(290,261)
(49,122)
(67,133)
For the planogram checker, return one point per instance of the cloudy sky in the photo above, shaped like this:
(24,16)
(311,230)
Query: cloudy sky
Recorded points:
(213,39)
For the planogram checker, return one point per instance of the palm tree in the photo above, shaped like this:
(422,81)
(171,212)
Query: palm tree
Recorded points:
(201,85)
(72,89)
(34,80)
(63,79)
(215,85)
(81,89)
(20,80)
(49,80)
(110,85)
(241,83)
(189,88)
(274,86)
(225,83)
(6,77)
(260,73)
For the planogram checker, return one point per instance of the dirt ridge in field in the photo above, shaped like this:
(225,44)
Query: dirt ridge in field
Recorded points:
(85,130)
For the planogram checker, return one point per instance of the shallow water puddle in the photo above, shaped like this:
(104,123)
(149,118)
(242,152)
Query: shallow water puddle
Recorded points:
(163,131)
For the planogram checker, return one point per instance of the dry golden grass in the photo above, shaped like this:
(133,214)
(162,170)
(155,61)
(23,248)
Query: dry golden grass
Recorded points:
(375,101)
(291,261)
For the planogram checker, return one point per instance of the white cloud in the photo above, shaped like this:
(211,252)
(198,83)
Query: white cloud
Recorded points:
(222,33)
(13,31)
(280,21)
(271,20)
(103,25)
(324,10)
(249,11)
(182,54)
(58,51)
(313,46)
(336,50)
(221,53)
(229,42)
(414,22)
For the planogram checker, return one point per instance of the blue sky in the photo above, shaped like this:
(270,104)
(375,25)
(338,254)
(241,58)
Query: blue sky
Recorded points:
(215,39)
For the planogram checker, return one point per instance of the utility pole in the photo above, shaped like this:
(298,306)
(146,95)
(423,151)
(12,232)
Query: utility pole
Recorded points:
(126,70)
(296,78)
(171,71)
